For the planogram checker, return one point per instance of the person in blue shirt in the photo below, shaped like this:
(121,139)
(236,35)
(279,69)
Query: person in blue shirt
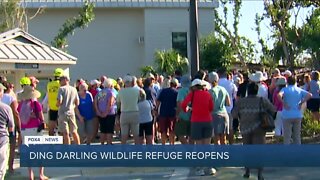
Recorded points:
(167,104)
(85,114)
(314,103)
(292,98)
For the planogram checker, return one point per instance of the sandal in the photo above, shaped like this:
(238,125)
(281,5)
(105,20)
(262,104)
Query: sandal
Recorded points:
(44,178)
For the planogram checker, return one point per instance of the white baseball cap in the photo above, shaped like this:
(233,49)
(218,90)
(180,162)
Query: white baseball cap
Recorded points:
(287,72)
(197,82)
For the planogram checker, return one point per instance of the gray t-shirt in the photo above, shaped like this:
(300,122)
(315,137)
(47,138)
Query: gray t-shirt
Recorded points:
(68,95)
(6,119)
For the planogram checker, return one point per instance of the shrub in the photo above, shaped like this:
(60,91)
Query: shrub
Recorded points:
(309,126)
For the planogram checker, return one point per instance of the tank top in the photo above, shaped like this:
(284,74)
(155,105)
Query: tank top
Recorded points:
(52,89)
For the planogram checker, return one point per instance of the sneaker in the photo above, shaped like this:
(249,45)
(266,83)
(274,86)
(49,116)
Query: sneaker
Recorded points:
(200,172)
(211,171)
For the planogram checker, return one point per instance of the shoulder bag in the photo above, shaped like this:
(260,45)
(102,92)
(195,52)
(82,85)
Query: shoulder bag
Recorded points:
(267,121)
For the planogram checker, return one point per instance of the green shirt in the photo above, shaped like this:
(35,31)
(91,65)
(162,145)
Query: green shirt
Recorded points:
(129,97)
(219,95)
(182,93)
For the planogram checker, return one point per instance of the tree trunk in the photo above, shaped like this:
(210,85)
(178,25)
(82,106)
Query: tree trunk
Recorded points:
(289,62)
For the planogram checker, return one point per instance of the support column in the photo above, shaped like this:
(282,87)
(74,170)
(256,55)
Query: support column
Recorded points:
(194,42)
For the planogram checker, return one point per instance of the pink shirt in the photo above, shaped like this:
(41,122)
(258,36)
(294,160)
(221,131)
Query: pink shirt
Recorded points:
(276,102)
(33,121)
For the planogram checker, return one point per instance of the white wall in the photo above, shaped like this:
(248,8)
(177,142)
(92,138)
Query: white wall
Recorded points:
(109,46)
(160,23)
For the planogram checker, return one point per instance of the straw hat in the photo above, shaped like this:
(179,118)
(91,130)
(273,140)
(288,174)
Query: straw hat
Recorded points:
(288,73)
(29,93)
(257,77)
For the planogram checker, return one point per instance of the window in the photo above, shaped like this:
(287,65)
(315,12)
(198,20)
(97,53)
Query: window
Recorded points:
(179,43)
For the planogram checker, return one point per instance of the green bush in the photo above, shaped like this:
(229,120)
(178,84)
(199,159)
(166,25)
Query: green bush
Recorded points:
(309,127)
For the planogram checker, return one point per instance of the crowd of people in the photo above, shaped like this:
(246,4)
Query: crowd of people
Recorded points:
(208,108)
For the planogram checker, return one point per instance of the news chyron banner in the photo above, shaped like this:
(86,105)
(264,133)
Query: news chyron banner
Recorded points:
(169,156)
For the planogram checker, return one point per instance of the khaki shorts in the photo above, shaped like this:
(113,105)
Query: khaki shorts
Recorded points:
(67,123)
(129,121)
(86,128)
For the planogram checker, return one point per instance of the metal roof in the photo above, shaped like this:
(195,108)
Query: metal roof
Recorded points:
(118,3)
(18,46)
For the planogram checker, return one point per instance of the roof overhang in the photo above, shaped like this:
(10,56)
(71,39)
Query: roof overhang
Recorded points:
(119,3)
(37,61)
(18,46)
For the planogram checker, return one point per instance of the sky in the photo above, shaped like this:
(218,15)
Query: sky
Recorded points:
(247,21)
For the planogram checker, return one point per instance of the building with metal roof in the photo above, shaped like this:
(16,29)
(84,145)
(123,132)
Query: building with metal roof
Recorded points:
(22,54)
(125,33)
(118,3)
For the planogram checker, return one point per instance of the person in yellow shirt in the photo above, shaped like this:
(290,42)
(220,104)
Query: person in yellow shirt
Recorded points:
(52,93)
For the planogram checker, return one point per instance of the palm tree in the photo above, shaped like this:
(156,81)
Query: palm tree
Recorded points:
(169,61)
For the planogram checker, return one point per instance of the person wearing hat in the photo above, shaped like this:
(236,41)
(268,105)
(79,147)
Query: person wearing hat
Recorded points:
(200,103)
(32,119)
(6,133)
(52,93)
(67,101)
(24,81)
(94,87)
(221,99)
(247,110)
(183,125)
(78,82)
(259,78)
(278,105)
(287,74)
(166,103)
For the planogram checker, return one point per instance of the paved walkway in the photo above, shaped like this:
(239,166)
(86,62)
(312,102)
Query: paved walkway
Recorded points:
(159,173)
(118,173)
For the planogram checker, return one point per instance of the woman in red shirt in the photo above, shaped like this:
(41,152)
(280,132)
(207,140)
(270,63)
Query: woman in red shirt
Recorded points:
(202,106)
